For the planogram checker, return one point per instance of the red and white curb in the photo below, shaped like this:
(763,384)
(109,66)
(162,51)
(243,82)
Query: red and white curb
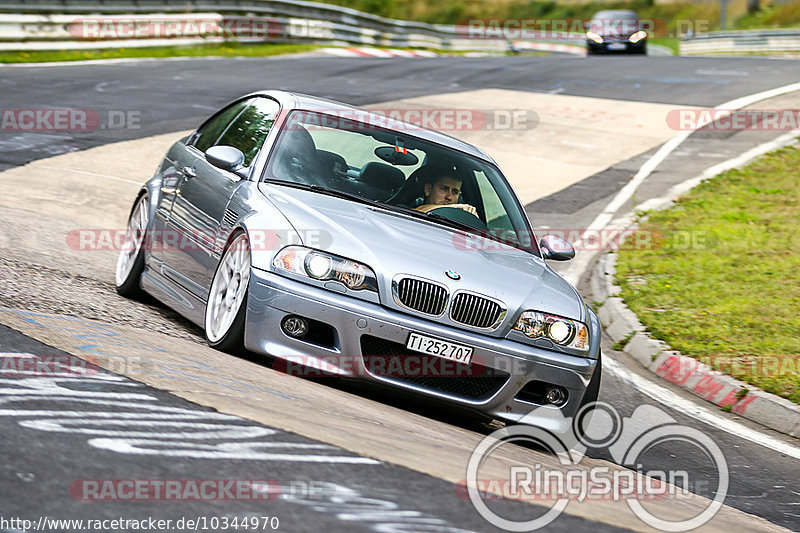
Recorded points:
(550,47)
(376,52)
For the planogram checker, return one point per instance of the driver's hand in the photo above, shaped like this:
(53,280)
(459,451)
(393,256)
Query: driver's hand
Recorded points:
(466,207)
(430,207)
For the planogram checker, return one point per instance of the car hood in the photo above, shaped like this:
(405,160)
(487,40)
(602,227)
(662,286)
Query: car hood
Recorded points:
(392,243)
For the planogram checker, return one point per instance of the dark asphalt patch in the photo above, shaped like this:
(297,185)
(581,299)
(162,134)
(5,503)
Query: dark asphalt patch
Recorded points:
(73,444)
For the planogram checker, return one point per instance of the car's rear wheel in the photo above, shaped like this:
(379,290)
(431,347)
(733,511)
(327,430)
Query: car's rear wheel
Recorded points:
(227,298)
(130,262)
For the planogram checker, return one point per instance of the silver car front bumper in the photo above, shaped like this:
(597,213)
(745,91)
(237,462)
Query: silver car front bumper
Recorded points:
(510,365)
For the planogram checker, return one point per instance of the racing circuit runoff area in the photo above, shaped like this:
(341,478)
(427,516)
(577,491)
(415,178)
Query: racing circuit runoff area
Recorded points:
(164,413)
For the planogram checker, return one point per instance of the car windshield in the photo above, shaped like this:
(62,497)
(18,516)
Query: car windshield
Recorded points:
(615,23)
(391,168)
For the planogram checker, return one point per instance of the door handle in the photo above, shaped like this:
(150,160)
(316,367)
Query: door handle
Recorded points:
(189,172)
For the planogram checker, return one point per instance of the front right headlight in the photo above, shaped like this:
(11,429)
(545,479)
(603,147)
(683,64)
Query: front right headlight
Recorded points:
(562,331)
(596,37)
(322,266)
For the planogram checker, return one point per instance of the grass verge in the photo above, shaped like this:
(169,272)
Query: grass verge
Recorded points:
(667,42)
(720,282)
(218,49)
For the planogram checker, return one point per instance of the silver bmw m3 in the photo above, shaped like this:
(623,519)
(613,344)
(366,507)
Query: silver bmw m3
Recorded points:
(344,242)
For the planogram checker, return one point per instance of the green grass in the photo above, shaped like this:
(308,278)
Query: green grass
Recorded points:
(720,282)
(224,50)
(669,42)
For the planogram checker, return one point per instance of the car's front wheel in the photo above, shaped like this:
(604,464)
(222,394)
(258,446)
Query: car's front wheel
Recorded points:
(227,298)
(130,262)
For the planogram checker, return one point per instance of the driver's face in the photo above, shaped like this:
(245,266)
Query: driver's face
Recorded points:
(443,192)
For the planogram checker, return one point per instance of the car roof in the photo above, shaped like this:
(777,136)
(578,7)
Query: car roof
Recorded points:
(616,13)
(293,100)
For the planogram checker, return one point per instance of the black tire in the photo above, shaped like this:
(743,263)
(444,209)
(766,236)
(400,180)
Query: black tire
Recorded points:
(233,340)
(130,286)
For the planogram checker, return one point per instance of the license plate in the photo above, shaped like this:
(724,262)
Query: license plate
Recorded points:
(439,348)
(616,46)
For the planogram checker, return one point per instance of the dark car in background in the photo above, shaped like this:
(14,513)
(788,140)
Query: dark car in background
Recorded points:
(616,31)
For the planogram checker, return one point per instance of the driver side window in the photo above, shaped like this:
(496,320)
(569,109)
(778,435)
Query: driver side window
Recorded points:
(209,132)
(249,130)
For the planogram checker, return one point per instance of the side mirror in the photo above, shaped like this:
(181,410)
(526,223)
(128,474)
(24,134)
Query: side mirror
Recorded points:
(225,157)
(556,248)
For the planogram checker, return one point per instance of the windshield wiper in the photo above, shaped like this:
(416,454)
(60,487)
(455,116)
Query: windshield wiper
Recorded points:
(324,190)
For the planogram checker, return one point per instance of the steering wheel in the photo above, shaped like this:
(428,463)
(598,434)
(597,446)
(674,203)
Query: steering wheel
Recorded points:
(459,215)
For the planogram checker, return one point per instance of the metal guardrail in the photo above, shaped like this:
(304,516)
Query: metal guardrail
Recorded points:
(744,41)
(46,24)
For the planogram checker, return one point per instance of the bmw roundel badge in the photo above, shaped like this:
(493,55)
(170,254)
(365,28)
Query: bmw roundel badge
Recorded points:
(452,274)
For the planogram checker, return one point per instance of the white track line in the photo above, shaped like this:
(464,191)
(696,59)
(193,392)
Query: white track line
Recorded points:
(579,265)
(87,173)
(692,409)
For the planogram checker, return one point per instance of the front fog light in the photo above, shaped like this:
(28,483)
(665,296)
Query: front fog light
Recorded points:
(556,396)
(294,326)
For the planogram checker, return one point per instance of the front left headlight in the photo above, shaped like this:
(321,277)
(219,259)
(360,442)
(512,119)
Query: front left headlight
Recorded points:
(561,331)
(322,266)
(638,36)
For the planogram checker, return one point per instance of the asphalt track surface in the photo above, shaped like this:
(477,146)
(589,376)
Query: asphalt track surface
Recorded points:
(175,95)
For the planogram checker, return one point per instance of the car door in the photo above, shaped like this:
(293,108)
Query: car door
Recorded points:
(203,195)
(180,161)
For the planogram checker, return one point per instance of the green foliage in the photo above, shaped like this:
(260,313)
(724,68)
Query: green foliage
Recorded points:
(223,49)
(721,284)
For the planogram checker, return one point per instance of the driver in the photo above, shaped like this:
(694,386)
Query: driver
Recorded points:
(442,189)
